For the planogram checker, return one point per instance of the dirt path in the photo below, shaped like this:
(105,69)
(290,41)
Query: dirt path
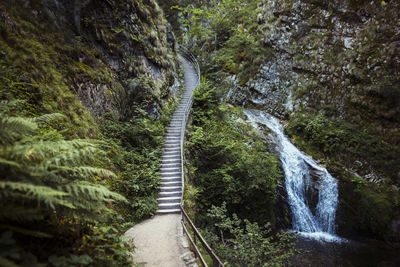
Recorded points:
(159,242)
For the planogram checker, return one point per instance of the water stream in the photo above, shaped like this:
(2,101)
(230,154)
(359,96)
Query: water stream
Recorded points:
(316,222)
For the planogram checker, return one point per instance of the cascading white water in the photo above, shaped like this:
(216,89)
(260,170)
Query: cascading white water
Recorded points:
(297,168)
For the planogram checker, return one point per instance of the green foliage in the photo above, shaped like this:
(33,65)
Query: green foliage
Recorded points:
(48,189)
(136,152)
(224,34)
(230,166)
(246,243)
(344,143)
(53,186)
(366,208)
(376,208)
(230,160)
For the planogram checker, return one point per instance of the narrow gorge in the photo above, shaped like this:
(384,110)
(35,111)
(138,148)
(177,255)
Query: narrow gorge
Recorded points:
(284,151)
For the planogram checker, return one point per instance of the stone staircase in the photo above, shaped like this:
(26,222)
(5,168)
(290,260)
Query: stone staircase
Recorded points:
(169,199)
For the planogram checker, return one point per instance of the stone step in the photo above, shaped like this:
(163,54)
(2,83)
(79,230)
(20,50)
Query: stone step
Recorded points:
(170,164)
(172,149)
(171,184)
(166,171)
(171,157)
(171,179)
(173,145)
(170,175)
(173,138)
(171,160)
(175,132)
(170,137)
(165,200)
(172,152)
(170,188)
(170,194)
(173,141)
(164,206)
(177,118)
(168,211)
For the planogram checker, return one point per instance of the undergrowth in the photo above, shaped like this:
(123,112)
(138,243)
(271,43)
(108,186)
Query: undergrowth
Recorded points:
(229,167)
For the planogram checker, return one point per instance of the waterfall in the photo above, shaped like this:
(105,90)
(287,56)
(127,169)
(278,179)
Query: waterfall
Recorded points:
(298,169)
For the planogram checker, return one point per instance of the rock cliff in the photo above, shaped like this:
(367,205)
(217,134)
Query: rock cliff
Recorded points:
(335,77)
(114,55)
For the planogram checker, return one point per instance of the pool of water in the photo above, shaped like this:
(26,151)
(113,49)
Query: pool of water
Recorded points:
(348,253)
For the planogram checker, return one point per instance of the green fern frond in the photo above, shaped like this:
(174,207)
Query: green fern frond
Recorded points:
(42,194)
(48,118)
(91,171)
(14,128)
(7,105)
(53,151)
(19,213)
(71,157)
(9,163)
(83,172)
(26,231)
(93,192)
(7,263)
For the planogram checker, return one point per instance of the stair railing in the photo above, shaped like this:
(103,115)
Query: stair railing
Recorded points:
(196,234)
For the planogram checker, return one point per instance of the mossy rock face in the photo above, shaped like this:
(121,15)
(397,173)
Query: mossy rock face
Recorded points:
(65,66)
(336,63)
(368,210)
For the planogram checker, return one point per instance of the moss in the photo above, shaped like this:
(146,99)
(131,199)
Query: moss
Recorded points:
(366,209)
(340,141)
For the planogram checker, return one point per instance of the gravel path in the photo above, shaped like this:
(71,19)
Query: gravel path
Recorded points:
(159,241)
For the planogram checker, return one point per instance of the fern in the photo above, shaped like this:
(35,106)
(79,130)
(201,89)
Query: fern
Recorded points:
(14,128)
(49,187)
(7,263)
(20,213)
(93,192)
(41,194)
(71,157)
(26,232)
(74,152)
(10,163)
(48,118)
(83,172)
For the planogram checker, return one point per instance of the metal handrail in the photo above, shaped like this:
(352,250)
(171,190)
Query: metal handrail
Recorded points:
(196,234)
(188,56)
(216,261)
